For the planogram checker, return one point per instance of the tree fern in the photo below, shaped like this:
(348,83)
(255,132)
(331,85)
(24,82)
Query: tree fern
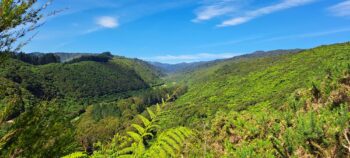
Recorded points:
(144,141)
(138,146)
(169,143)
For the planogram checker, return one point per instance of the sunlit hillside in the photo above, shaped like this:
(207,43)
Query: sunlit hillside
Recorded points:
(174,79)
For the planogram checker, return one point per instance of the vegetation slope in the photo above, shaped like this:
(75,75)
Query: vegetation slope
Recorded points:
(39,102)
(250,106)
(291,104)
(274,105)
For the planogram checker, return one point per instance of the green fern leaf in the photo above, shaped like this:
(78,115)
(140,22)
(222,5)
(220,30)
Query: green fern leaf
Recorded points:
(139,129)
(162,153)
(172,142)
(140,150)
(158,152)
(158,109)
(175,137)
(151,127)
(151,114)
(148,134)
(179,134)
(169,149)
(145,121)
(126,150)
(135,136)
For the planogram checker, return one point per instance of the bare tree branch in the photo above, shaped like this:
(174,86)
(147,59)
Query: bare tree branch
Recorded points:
(19,18)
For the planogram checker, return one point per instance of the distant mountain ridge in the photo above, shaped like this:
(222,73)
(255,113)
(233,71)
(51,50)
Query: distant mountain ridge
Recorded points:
(185,67)
(173,68)
(65,56)
(180,67)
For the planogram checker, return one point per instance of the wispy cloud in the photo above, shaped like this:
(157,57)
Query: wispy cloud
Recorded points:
(107,22)
(190,57)
(341,9)
(104,22)
(250,15)
(211,9)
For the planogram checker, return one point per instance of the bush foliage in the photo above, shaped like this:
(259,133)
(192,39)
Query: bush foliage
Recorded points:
(273,105)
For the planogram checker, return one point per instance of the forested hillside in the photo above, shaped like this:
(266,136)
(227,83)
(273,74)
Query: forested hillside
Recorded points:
(290,104)
(77,79)
(44,100)
(285,103)
(279,105)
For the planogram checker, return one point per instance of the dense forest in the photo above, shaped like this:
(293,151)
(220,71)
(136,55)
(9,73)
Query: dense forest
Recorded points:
(290,104)
(72,99)
(280,103)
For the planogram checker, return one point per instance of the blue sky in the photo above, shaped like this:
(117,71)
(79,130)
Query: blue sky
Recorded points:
(175,31)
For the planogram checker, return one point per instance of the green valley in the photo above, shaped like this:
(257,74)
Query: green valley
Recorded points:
(177,81)
(285,104)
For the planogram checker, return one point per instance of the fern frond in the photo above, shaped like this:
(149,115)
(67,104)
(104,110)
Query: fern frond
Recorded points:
(140,150)
(167,148)
(162,153)
(172,142)
(157,152)
(139,129)
(151,127)
(184,132)
(145,121)
(137,137)
(179,134)
(127,150)
(175,137)
(148,134)
(158,108)
(151,114)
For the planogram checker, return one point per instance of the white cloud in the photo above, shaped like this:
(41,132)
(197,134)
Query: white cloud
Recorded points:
(211,12)
(190,57)
(341,9)
(107,22)
(102,22)
(285,4)
(217,8)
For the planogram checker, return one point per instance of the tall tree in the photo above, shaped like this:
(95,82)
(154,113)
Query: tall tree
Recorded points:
(17,19)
